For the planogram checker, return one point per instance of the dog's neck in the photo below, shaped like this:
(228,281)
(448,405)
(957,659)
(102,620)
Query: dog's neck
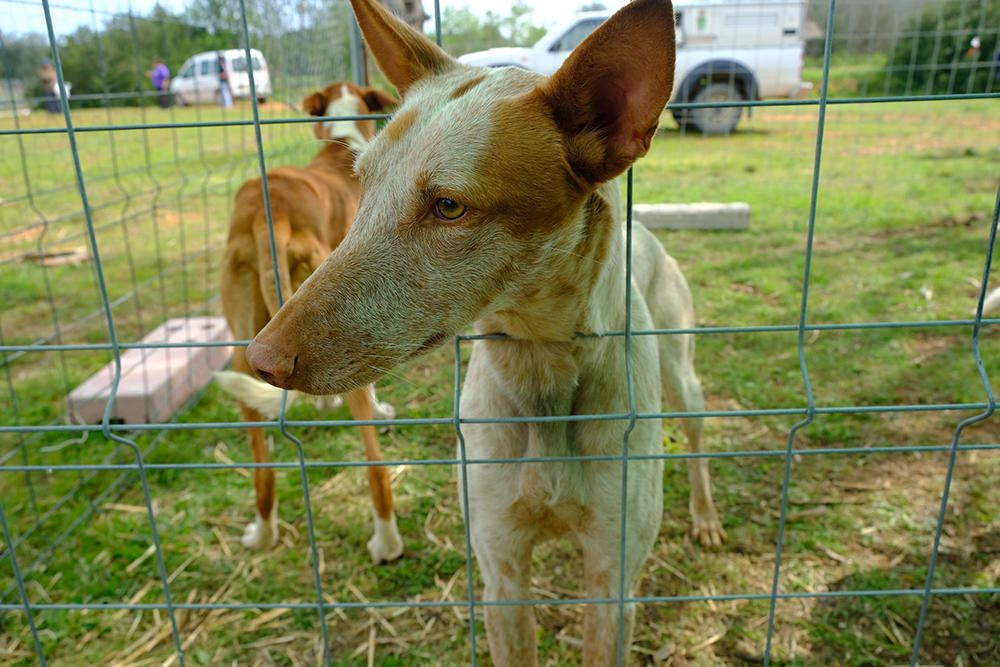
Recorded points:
(547,359)
(585,290)
(355,141)
(335,154)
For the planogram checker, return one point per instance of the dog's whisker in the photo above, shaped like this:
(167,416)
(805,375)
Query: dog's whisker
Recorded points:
(394,375)
(573,254)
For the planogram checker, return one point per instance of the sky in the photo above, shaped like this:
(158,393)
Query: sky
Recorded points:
(20,16)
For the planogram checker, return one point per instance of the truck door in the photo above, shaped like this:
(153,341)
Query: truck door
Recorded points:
(207,79)
(183,83)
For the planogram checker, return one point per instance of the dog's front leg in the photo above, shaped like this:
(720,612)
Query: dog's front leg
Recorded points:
(386,544)
(503,543)
(600,621)
(262,533)
(510,629)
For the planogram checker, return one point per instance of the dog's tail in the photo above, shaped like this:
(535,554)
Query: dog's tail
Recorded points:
(992,302)
(253,393)
(265,268)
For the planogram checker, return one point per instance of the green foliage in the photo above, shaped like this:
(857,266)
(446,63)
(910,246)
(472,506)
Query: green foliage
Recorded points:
(464,31)
(900,208)
(20,56)
(853,20)
(117,58)
(935,57)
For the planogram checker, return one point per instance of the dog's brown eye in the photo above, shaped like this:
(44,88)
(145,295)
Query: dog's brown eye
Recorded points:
(448,209)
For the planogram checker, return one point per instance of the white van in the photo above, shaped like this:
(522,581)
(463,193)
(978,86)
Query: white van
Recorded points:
(197,81)
(727,51)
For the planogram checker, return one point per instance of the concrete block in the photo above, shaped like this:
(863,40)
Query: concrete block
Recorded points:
(693,216)
(155,382)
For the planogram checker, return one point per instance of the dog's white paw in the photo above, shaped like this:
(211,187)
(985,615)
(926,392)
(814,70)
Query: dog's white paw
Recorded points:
(261,534)
(382,410)
(328,403)
(386,544)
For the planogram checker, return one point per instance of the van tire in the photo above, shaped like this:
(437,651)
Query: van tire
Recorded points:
(710,121)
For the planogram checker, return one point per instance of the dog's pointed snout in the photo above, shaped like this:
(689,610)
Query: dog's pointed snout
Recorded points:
(271,363)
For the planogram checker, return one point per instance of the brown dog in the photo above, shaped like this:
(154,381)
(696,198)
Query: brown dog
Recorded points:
(312,209)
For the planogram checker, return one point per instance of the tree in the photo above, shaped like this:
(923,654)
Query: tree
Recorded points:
(463,31)
(21,55)
(522,33)
(116,59)
(411,11)
(937,55)
(864,26)
(306,45)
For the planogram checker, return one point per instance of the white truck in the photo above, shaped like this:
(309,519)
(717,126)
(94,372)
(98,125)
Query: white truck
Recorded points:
(727,51)
(197,81)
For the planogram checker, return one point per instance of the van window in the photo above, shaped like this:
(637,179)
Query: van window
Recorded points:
(749,20)
(575,35)
(188,71)
(240,64)
(206,67)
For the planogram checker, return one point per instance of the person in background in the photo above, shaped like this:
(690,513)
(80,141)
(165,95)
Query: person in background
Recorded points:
(160,77)
(225,94)
(50,90)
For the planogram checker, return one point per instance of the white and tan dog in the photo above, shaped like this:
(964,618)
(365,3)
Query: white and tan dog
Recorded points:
(312,210)
(490,198)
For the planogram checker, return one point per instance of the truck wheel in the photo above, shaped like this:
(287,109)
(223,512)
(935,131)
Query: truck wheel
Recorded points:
(722,120)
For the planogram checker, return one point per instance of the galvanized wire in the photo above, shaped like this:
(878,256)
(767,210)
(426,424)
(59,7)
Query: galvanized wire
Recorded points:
(113,336)
(113,432)
(124,198)
(21,588)
(632,417)
(750,104)
(529,602)
(282,427)
(953,451)
(786,476)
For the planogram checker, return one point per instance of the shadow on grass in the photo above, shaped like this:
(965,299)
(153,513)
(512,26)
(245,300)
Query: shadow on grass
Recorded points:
(674,131)
(960,629)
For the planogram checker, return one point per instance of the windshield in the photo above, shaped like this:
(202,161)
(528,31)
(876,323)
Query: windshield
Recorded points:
(240,64)
(575,35)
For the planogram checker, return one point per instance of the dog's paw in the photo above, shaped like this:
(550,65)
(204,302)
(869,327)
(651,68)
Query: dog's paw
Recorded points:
(260,534)
(382,410)
(707,530)
(386,544)
(329,403)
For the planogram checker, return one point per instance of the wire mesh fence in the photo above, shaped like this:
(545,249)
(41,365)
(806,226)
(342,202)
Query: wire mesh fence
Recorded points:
(848,430)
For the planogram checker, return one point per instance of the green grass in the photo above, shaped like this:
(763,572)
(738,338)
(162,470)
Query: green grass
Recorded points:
(851,74)
(906,195)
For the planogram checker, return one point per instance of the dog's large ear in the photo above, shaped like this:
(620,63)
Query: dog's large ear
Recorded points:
(608,95)
(378,100)
(315,104)
(402,53)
